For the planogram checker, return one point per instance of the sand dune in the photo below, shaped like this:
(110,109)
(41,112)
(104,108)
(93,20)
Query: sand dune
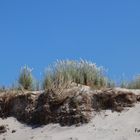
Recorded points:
(106,125)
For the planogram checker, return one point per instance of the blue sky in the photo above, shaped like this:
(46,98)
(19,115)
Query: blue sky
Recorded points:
(37,33)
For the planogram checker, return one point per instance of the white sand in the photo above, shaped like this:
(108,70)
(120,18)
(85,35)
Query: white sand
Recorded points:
(104,126)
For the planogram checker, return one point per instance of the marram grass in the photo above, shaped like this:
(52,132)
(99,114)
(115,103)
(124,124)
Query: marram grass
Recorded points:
(70,71)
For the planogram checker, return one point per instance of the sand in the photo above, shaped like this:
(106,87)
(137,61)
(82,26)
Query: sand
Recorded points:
(106,125)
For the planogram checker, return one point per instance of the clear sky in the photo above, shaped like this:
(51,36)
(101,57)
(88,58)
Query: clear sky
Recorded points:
(37,32)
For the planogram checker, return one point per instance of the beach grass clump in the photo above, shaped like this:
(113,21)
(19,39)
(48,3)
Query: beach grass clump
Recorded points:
(25,78)
(81,72)
(135,83)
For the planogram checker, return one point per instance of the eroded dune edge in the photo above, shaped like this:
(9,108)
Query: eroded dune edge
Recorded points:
(104,113)
(67,107)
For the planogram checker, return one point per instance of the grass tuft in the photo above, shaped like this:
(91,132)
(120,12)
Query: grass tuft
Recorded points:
(82,72)
(25,78)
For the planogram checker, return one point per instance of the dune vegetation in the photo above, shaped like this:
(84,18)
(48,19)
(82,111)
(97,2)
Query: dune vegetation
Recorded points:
(68,94)
(79,72)
(64,73)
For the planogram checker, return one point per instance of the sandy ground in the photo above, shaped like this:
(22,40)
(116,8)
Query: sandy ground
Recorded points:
(106,125)
(135,91)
